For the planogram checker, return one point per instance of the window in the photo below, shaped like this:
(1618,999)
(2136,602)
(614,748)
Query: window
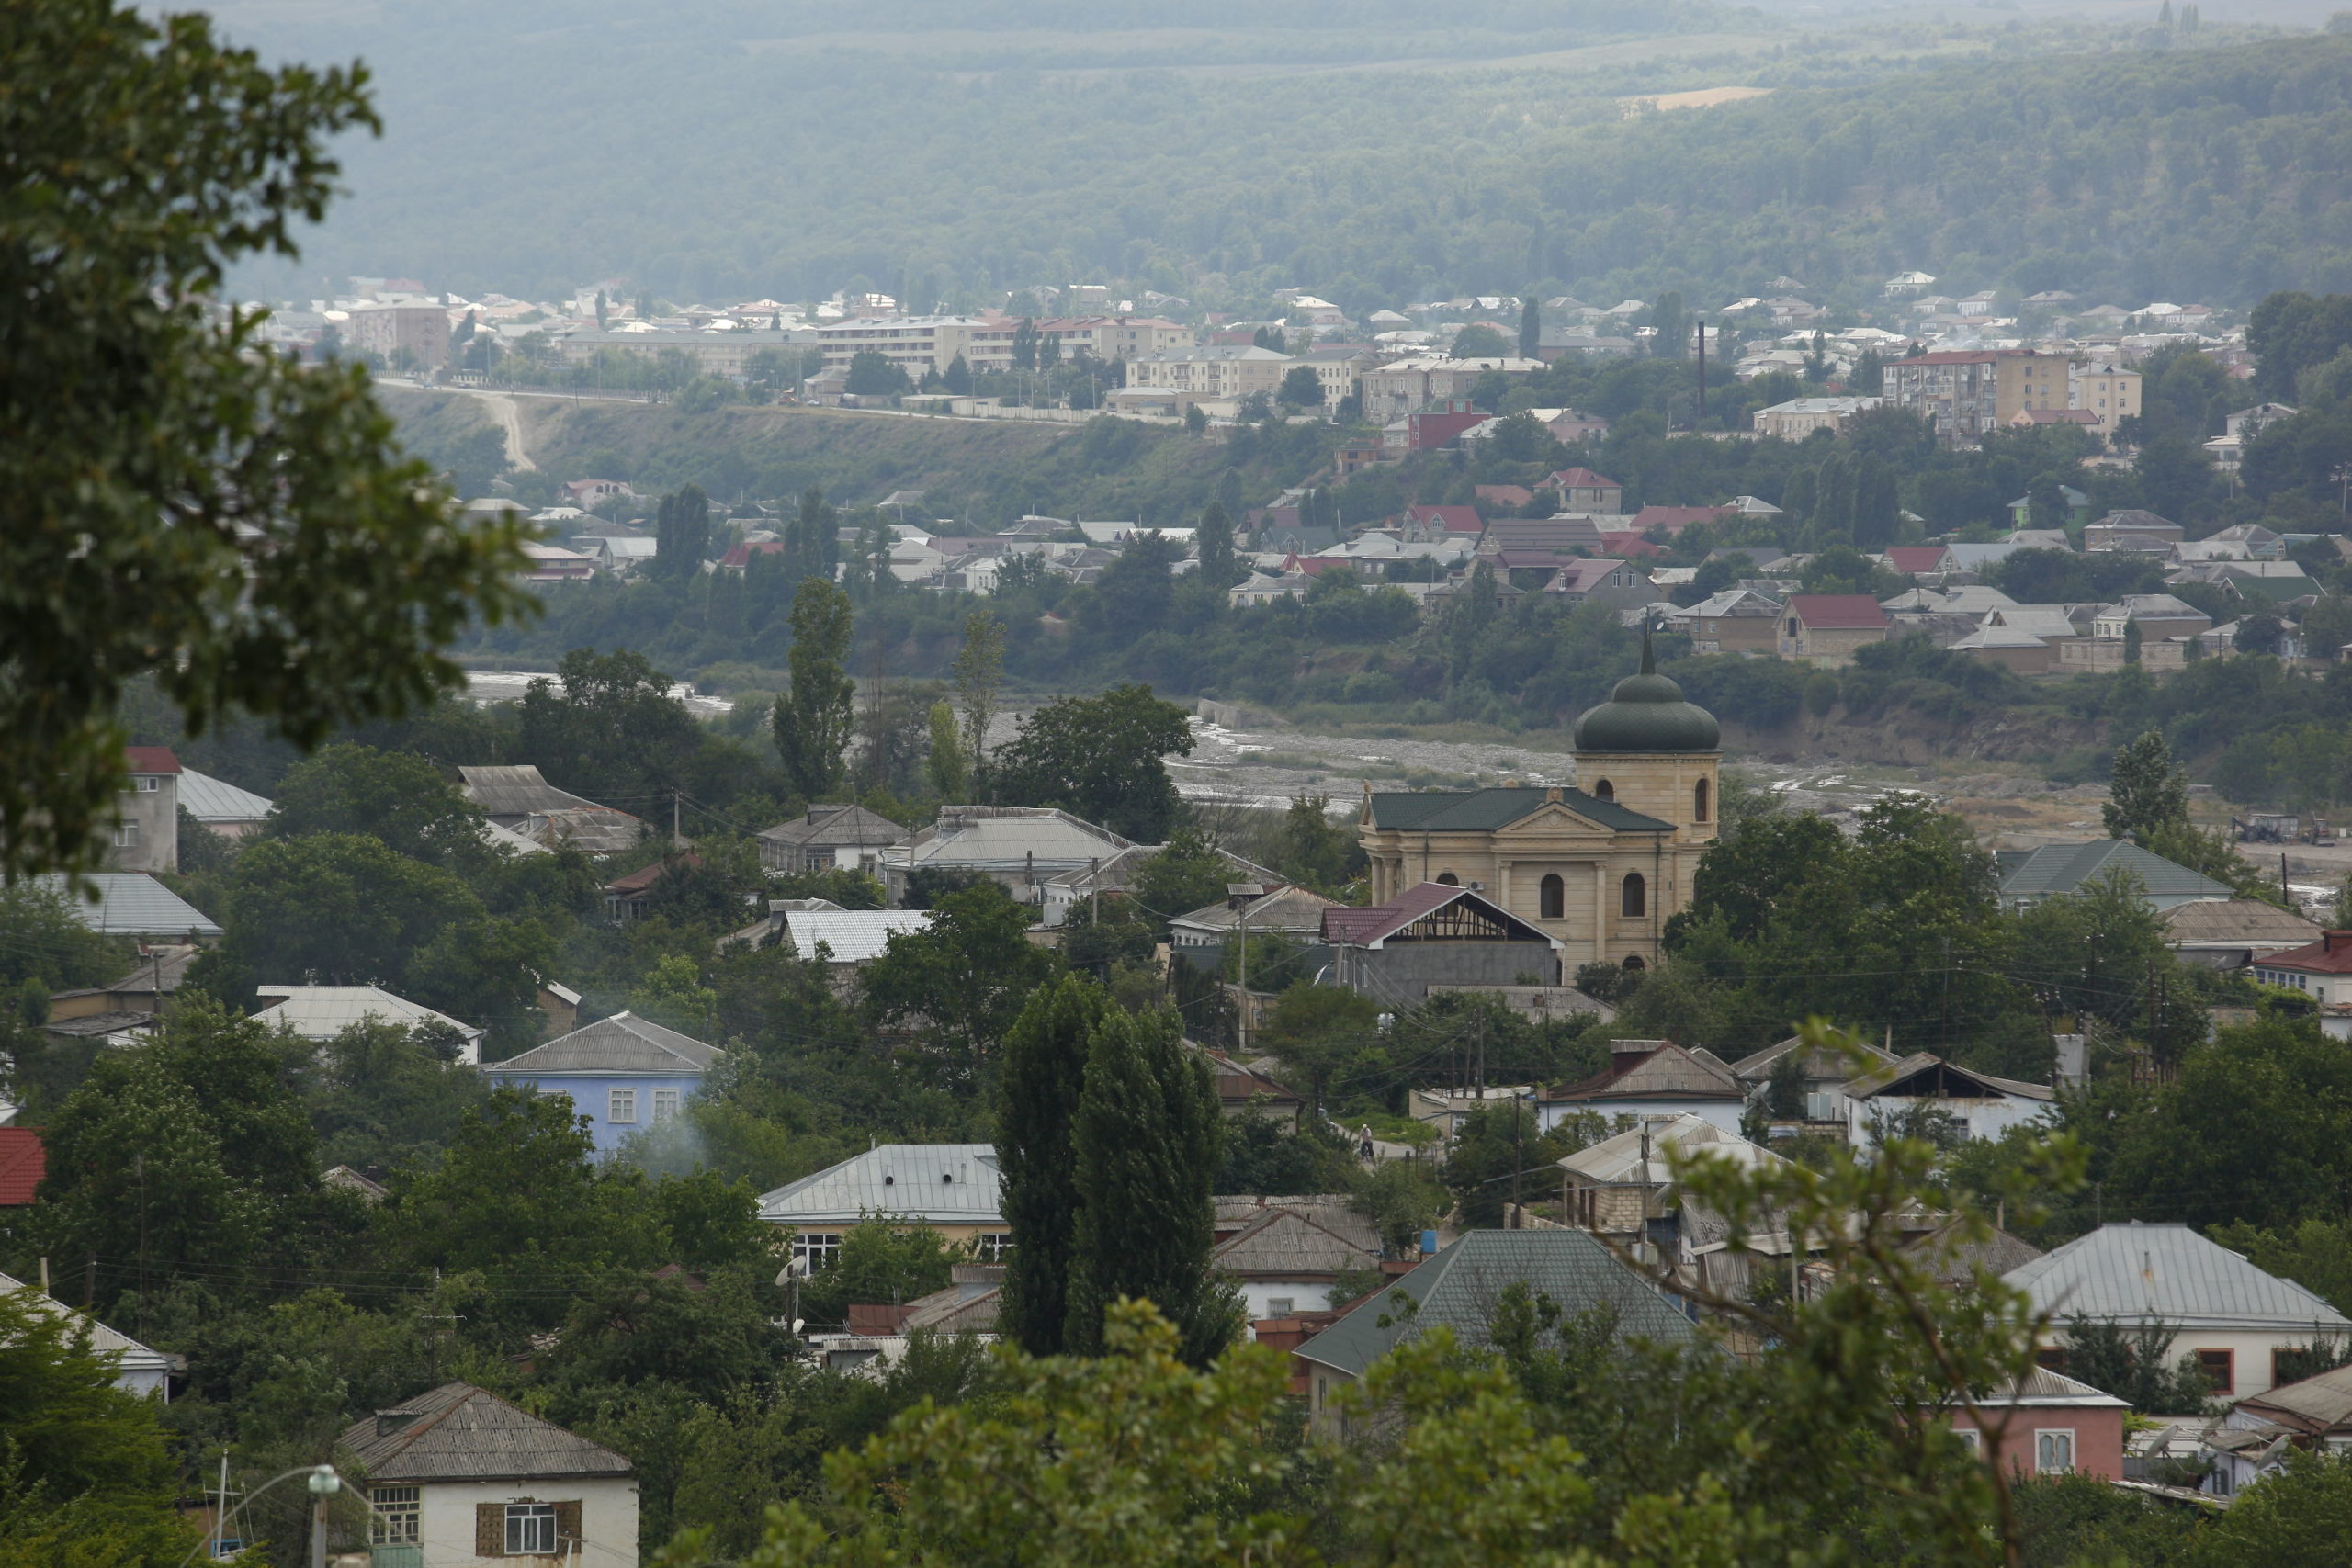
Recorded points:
(1552,898)
(1633,895)
(1604,790)
(2053,1453)
(149,783)
(1633,962)
(1699,801)
(1970,1438)
(530,1528)
(126,835)
(1447,879)
(620,1105)
(990,1246)
(665,1103)
(1281,1306)
(2220,1368)
(816,1248)
(394,1522)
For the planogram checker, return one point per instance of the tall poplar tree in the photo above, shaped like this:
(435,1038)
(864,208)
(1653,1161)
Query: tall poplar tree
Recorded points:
(1146,1141)
(1215,537)
(813,717)
(1530,327)
(681,532)
(1043,1073)
(980,671)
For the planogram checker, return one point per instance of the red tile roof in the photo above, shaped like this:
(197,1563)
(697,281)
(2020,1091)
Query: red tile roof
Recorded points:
(1457,519)
(1630,545)
(151,759)
(1581,479)
(1916,557)
(23,1162)
(637,881)
(741,556)
(2331,954)
(1674,519)
(1838,612)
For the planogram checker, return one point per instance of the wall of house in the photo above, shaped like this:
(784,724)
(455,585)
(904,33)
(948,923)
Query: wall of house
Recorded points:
(1404,972)
(2009,1431)
(607,1520)
(2250,1351)
(150,819)
(590,1095)
(1985,1119)
(1304,1295)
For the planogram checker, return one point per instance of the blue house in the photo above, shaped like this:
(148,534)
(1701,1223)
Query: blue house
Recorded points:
(624,1073)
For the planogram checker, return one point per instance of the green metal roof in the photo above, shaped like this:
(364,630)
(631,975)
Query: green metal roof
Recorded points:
(1459,1287)
(2055,869)
(1486,810)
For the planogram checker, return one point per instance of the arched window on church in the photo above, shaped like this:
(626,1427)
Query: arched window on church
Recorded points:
(1699,801)
(1633,895)
(1634,962)
(1552,898)
(1604,790)
(1447,879)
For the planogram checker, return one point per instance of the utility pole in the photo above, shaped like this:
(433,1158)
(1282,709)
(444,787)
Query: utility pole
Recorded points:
(1702,371)
(325,1483)
(1241,1022)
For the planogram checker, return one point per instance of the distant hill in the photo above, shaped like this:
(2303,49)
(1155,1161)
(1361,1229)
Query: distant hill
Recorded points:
(719,151)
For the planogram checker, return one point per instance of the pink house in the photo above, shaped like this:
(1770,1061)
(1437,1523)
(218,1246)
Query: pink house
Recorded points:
(2050,1424)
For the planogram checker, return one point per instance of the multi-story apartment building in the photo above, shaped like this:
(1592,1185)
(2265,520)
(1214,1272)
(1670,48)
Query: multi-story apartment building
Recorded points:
(1340,368)
(2105,388)
(1212,372)
(913,343)
(408,336)
(1110,337)
(713,354)
(1408,386)
(1970,392)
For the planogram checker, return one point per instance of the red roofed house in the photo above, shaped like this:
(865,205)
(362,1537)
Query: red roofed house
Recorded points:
(1581,490)
(1826,628)
(1435,933)
(741,556)
(1920,561)
(2321,970)
(1674,519)
(1436,521)
(1427,431)
(23,1162)
(147,815)
(626,898)
(1630,545)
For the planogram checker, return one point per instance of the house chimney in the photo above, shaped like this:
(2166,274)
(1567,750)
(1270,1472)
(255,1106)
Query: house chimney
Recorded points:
(2328,939)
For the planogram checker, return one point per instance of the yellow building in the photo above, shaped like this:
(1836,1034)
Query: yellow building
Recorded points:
(1600,867)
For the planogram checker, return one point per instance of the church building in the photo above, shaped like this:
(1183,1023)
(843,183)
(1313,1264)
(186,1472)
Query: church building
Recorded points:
(1600,867)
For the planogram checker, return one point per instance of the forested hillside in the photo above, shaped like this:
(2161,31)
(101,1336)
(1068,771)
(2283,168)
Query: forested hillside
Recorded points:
(720,152)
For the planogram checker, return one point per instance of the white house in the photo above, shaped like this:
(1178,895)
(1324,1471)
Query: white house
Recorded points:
(1651,1077)
(459,1478)
(2231,1315)
(1984,1105)
(321,1012)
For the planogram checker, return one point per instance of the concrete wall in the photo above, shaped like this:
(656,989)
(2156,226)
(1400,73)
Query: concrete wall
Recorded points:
(147,835)
(607,1520)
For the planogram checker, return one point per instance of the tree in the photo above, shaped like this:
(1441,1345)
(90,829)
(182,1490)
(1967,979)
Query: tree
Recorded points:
(958,379)
(1195,422)
(883,1261)
(1479,340)
(681,525)
(2146,793)
(1316,851)
(259,544)
(1671,339)
(1301,388)
(1530,327)
(1319,1031)
(1189,874)
(812,540)
(812,720)
(1043,1075)
(617,730)
(950,773)
(1148,1141)
(873,375)
(397,797)
(979,671)
(1219,570)
(1101,758)
(957,987)
(1025,345)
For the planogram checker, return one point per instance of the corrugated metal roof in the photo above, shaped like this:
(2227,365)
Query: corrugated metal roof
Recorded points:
(2135,1270)
(1460,1286)
(835,825)
(621,1044)
(1668,1073)
(1370,927)
(2063,868)
(134,904)
(1619,1158)
(2247,922)
(2323,1403)
(209,799)
(1486,810)
(1007,836)
(1286,1243)
(321,1012)
(458,1432)
(516,792)
(2043,1387)
(943,1183)
(1898,1078)
(1292,909)
(1820,1061)
(128,1354)
(854,936)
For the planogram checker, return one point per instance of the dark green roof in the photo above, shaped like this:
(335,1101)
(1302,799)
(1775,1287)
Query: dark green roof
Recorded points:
(1459,1287)
(1647,714)
(1484,810)
(2055,869)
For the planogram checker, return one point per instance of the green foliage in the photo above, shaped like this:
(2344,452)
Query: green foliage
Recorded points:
(2129,1361)
(873,375)
(2314,1252)
(397,797)
(1265,1156)
(2301,1514)
(613,733)
(151,429)
(2149,794)
(380,1096)
(1317,1031)
(43,948)
(954,989)
(682,522)
(1100,759)
(1044,1076)
(883,1262)
(1146,1144)
(812,720)
(1189,874)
